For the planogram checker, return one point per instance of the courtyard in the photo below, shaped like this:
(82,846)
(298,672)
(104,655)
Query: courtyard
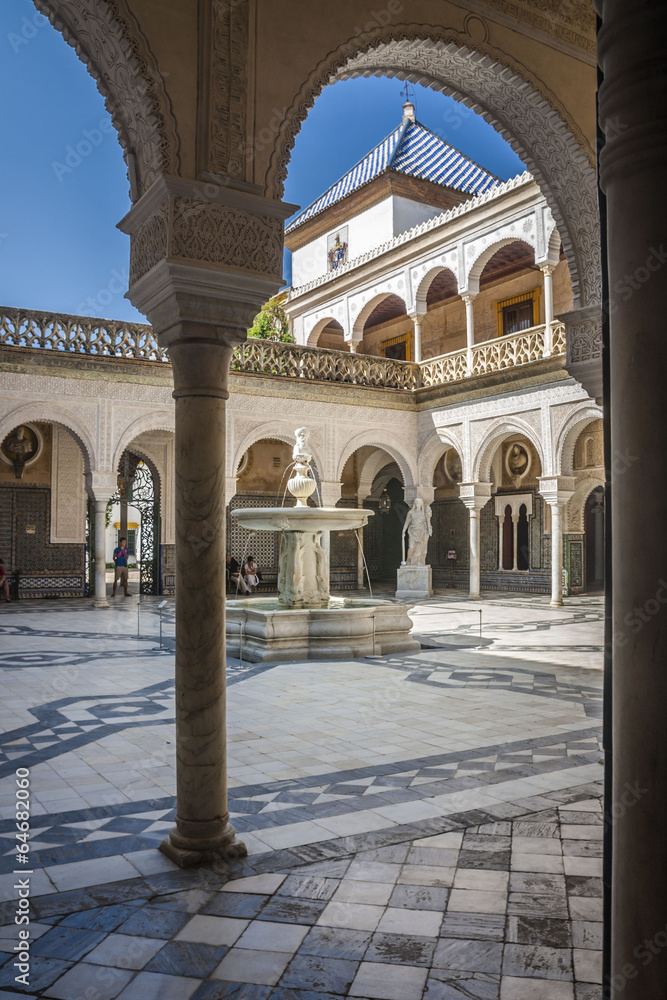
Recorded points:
(418,826)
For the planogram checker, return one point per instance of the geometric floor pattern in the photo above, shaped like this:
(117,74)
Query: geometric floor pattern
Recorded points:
(424,826)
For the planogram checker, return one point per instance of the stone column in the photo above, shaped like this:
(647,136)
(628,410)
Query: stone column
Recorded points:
(515,541)
(475,496)
(633,112)
(469,298)
(100,487)
(547,271)
(417,327)
(501,541)
(557,490)
(199,311)
(100,553)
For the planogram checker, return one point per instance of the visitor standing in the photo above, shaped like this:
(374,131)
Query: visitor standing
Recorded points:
(120,558)
(4,582)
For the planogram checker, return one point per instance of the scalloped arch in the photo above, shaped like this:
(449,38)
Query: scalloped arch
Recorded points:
(569,432)
(142,425)
(269,430)
(506,94)
(107,38)
(51,413)
(431,453)
(483,457)
(380,440)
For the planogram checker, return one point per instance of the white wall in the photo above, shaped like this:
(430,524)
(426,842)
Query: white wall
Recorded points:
(364,232)
(409,213)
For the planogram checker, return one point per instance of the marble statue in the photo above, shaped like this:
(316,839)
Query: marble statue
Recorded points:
(300,453)
(419,529)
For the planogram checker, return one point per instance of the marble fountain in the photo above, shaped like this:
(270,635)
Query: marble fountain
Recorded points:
(304,622)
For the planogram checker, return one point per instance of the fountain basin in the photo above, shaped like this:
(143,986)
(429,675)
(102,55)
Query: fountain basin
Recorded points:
(269,632)
(309,519)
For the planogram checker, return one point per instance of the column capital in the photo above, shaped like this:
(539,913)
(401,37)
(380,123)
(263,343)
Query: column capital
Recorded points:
(469,295)
(101,486)
(475,495)
(556,490)
(207,252)
(547,267)
(330,492)
(425,493)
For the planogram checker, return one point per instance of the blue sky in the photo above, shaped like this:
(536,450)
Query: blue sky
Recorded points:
(63,177)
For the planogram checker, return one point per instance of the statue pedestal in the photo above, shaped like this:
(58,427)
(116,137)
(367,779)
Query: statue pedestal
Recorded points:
(414,582)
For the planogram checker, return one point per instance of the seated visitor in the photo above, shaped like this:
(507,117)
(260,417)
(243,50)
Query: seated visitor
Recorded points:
(251,573)
(234,576)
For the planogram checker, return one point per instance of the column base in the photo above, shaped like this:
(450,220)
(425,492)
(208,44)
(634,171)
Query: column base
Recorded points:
(189,855)
(556,604)
(101,603)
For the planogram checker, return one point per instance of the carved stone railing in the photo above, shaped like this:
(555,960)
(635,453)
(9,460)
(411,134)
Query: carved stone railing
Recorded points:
(79,335)
(136,341)
(492,356)
(266,357)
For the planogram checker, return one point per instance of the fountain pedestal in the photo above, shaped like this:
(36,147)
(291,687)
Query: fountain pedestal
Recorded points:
(305,622)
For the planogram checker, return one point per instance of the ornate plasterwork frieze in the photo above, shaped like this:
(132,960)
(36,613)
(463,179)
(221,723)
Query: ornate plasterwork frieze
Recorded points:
(225,235)
(224,67)
(107,38)
(191,222)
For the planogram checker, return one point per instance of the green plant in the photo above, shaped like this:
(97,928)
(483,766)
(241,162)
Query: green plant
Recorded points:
(271,322)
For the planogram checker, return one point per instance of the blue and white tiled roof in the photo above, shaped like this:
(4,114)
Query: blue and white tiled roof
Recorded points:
(413,150)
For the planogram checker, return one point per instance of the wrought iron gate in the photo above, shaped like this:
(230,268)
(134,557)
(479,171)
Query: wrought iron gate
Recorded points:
(138,485)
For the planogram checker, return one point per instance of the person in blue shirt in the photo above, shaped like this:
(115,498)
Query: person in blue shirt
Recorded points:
(120,558)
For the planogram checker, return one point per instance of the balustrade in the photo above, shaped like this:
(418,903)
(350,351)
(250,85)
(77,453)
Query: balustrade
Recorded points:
(136,341)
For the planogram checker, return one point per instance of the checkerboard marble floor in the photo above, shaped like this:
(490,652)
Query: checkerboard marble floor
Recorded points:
(423,826)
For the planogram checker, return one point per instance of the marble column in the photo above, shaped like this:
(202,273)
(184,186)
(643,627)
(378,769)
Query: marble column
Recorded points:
(417,328)
(557,490)
(100,553)
(633,111)
(199,311)
(475,496)
(547,272)
(468,299)
(515,541)
(501,541)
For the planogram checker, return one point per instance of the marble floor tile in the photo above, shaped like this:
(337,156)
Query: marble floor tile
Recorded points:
(537,961)
(422,923)
(263,935)
(262,967)
(356,916)
(84,980)
(124,951)
(314,972)
(477,901)
(358,891)
(389,982)
(204,929)
(468,955)
(154,986)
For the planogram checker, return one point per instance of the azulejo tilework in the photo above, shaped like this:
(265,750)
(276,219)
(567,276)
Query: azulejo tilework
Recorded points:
(425,826)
